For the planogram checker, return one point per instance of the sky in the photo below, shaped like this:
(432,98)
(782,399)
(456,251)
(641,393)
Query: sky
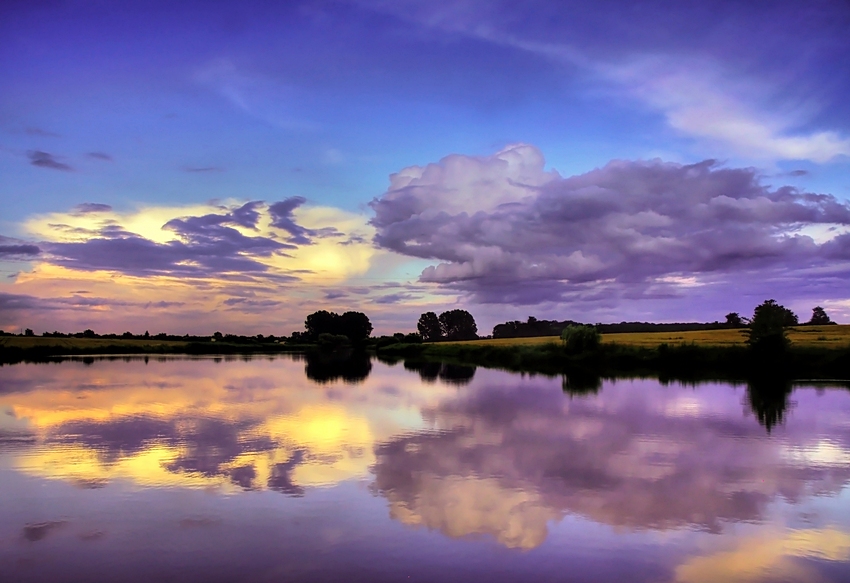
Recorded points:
(186,167)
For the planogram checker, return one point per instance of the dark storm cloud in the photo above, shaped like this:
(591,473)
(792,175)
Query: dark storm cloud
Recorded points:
(506,230)
(46,160)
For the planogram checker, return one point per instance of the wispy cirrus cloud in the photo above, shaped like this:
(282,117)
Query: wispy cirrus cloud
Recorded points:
(40,132)
(14,248)
(715,71)
(201,169)
(91,207)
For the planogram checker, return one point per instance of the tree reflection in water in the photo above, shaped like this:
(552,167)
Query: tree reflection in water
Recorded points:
(768,399)
(455,374)
(581,382)
(327,367)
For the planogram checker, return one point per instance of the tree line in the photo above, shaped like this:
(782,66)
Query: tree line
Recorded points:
(355,328)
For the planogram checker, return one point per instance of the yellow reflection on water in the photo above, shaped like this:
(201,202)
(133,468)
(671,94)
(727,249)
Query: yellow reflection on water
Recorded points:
(266,419)
(771,556)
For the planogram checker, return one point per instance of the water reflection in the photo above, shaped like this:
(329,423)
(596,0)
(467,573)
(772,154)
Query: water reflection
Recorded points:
(421,456)
(347,365)
(430,372)
(507,462)
(768,399)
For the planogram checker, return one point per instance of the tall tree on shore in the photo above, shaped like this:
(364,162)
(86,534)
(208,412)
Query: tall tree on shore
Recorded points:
(458,325)
(354,325)
(767,327)
(429,327)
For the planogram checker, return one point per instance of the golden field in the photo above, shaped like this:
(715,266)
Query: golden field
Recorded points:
(821,336)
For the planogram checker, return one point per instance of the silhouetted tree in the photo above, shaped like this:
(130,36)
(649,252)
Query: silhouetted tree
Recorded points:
(321,322)
(429,327)
(355,325)
(819,317)
(767,327)
(458,325)
(734,320)
(29,332)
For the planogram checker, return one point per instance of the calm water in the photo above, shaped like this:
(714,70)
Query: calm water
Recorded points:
(291,470)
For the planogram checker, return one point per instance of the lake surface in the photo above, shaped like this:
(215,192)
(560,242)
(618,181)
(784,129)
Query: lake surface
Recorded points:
(286,469)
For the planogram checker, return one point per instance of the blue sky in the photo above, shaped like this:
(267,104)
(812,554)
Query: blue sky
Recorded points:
(163,111)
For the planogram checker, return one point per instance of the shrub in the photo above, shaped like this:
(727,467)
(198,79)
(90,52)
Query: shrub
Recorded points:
(581,338)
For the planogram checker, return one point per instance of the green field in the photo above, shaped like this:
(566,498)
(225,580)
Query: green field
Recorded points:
(88,344)
(815,336)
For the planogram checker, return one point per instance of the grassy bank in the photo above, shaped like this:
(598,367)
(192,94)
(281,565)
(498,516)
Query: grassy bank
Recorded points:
(35,349)
(715,354)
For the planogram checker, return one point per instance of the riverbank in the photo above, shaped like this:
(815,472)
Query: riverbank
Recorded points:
(14,349)
(684,361)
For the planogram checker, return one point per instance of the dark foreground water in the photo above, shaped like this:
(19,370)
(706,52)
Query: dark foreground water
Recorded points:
(283,470)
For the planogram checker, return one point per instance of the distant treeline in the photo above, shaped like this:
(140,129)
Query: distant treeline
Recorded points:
(534,327)
(216,337)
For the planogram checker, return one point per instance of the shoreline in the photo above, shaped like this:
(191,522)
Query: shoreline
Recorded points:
(688,362)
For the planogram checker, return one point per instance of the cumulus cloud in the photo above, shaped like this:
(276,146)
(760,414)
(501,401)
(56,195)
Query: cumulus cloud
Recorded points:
(505,229)
(46,160)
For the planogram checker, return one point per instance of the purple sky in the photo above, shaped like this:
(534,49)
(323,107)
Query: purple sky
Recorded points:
(198,166)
